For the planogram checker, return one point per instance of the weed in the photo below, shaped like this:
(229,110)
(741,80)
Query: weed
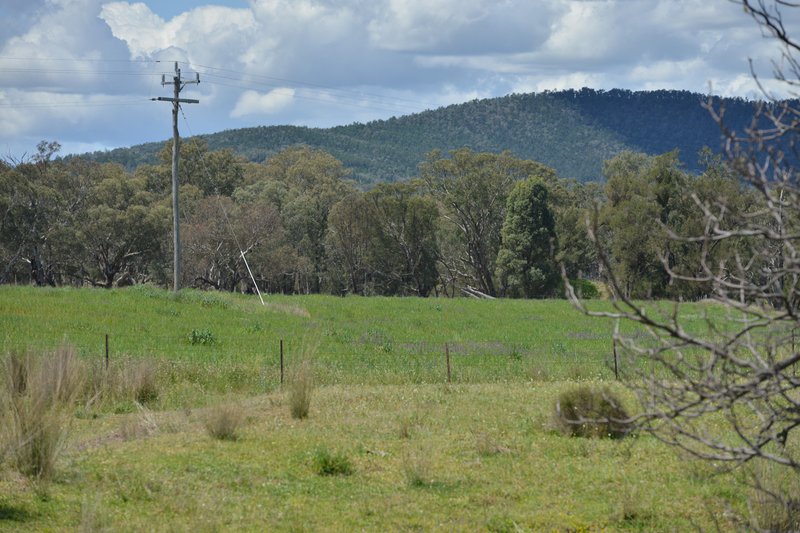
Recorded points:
(589,412)
(224,421)
(327,463)
(203,337)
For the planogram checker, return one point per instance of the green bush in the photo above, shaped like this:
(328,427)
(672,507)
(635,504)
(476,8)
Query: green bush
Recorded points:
(327,463)
(583,288)
(591,412)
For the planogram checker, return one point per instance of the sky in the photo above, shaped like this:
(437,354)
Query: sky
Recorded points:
(83,72)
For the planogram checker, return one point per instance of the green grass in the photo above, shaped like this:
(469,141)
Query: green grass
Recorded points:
(180,477)
(478,454)
(361,340)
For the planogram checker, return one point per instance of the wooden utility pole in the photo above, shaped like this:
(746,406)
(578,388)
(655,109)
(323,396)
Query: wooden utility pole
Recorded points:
(178,84)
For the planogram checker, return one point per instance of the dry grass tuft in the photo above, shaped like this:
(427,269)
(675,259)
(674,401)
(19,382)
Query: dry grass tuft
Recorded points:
(37,395)
(223,422)
(301,388)
(591,412)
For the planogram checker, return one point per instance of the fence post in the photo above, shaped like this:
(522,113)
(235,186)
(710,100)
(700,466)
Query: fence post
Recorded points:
(106,351)
(447,359)
(616,358)
(281,361)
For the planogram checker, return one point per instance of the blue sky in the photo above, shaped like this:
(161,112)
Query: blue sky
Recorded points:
(82,72)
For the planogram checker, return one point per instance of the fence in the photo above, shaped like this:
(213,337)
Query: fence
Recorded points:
(368,360)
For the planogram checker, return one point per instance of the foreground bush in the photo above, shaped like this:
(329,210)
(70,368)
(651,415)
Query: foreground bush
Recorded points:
(591,412)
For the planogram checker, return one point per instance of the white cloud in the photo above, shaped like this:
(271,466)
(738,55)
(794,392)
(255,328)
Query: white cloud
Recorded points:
(254,103)
(256,61)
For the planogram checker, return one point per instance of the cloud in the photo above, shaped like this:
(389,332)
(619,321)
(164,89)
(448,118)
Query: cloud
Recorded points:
(253,103)
(347,60)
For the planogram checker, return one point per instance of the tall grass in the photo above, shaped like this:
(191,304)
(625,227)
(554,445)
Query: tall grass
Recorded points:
(223,422)
(301,388)
(38,394)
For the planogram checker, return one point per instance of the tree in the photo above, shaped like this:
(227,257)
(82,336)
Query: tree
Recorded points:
(405,247)
(216,172)
(739,371)
(39,200)
(302,184)
(525,263)
(472,189)
(120,231)
(348,241)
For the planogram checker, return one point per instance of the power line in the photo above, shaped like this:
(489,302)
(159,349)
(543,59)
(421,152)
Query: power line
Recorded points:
(76,104)
(307,84)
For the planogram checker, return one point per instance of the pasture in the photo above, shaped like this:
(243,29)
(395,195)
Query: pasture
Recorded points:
(388,443)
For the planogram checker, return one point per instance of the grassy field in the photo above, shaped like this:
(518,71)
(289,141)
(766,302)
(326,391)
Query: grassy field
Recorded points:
(479,454)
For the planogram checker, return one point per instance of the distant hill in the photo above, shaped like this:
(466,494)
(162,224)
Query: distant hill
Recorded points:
(573,131)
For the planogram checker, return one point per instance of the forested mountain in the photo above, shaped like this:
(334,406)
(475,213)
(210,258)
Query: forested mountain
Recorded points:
(570,131)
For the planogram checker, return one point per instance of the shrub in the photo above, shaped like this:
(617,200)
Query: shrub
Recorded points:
(301,386)
(223,421)
(583,288)
(327,463)
(589,412)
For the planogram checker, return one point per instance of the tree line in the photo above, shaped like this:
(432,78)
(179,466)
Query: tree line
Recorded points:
(477,222)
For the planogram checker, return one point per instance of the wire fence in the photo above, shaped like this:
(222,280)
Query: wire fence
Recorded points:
(370,359)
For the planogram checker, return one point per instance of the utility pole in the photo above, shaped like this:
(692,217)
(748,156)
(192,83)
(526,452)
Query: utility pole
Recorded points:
(178,84)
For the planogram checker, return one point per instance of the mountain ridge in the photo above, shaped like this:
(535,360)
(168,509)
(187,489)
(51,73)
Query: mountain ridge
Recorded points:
(573,131)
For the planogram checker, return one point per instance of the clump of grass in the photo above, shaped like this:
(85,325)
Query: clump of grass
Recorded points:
(301,380)
(141,424)
(141,377)
(223,422)
(125,380)
(417,468)
(774,502)
(327,463)
(407,424)
(586,411)
(38,393)
(486,445)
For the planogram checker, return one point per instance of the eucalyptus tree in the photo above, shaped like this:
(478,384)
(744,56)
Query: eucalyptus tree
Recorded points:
(472,188)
